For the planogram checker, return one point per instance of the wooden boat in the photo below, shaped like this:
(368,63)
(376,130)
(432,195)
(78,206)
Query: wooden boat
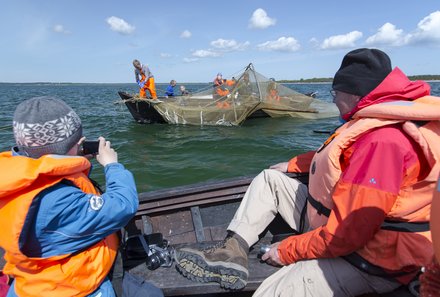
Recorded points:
(251,95)
(143,111)
(198,215)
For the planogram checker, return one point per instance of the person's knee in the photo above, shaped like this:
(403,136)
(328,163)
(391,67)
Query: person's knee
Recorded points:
(272,173)
(273,176)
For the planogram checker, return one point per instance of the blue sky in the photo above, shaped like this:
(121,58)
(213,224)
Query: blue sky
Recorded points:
(95,41)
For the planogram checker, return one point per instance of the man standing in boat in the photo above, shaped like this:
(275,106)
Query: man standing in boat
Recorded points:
(364,216)
(145,80)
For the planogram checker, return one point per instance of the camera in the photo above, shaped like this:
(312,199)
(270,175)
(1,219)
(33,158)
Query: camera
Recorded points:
(160,256)
(262,250)
(90,147)
(151,249)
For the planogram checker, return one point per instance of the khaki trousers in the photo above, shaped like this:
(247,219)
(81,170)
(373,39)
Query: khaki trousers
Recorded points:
(273,192)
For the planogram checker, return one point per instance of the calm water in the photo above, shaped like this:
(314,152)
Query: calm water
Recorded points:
(162,155)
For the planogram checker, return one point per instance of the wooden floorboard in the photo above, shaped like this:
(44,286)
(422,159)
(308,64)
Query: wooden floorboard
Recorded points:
(174,284)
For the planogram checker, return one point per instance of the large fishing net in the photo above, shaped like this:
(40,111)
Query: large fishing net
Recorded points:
(248,94)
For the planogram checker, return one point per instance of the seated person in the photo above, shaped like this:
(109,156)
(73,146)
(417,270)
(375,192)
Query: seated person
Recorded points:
(222,91)
(170,89)
(59,231)
(372,174)
(244,87)
(272,92)
(183,91)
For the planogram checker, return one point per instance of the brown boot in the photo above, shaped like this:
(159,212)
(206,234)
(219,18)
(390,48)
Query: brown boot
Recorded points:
(225,263)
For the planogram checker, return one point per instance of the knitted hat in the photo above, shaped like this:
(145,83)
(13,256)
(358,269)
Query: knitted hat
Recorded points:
(361,71)
(46,125)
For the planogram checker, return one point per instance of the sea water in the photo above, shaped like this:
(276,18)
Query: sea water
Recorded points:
(162,155)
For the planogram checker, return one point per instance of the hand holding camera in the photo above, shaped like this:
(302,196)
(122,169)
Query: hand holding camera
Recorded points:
(105,154)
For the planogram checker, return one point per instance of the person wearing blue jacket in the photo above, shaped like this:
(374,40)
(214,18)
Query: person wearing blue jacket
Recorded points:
(170,89)
(59,231)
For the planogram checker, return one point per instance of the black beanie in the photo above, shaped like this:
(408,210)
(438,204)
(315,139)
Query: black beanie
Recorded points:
(361,71)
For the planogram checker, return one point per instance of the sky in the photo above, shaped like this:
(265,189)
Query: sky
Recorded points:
(94,41)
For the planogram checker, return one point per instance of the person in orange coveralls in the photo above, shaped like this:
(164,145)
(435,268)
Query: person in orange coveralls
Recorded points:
(145,80)
(364,216)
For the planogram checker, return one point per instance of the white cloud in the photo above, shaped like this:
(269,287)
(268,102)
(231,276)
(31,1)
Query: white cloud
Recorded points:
(229,45)
(120,26)
(165,55)
(314,42)
(260,20)
(60,29)
(283,44)
(205,54)
(190,60)
(428,30)
(185,34)
(386,35)
(341,41)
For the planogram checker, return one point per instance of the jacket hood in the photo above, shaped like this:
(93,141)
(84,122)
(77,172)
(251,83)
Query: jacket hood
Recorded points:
(24,173)
(396,86)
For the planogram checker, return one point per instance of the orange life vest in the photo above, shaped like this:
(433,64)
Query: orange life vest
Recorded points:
(435,221)
(220,86)
(413,204)
(77,274)
(273,95)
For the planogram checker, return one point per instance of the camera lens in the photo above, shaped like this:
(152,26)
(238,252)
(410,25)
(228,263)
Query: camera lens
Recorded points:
(154,261)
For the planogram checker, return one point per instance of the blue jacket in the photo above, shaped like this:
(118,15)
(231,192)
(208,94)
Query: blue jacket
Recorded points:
(68,220)
(169,91)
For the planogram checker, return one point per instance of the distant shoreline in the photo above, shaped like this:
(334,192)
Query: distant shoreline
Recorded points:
(426,77)
(320,80)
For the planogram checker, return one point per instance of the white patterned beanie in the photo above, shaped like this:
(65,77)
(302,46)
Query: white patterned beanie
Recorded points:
(45,125)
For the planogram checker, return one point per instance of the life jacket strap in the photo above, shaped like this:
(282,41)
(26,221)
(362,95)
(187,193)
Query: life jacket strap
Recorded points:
(363,265)
(320,208)
(386,225)
(405,226)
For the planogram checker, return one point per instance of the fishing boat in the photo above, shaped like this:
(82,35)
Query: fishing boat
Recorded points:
(197,215)
(251,95)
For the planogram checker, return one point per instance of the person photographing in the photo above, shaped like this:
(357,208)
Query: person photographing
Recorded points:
(59,230)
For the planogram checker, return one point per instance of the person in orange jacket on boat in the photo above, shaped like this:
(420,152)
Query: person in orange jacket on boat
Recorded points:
(145,80)
(59,230)
(272,92)
(364,216)
(221,90)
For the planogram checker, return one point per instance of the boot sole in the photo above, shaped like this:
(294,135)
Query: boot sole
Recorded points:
(194,267)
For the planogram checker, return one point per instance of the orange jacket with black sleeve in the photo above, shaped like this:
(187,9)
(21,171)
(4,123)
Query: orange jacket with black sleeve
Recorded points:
(379,167)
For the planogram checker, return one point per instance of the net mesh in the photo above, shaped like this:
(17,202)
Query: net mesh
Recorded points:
(250,94)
